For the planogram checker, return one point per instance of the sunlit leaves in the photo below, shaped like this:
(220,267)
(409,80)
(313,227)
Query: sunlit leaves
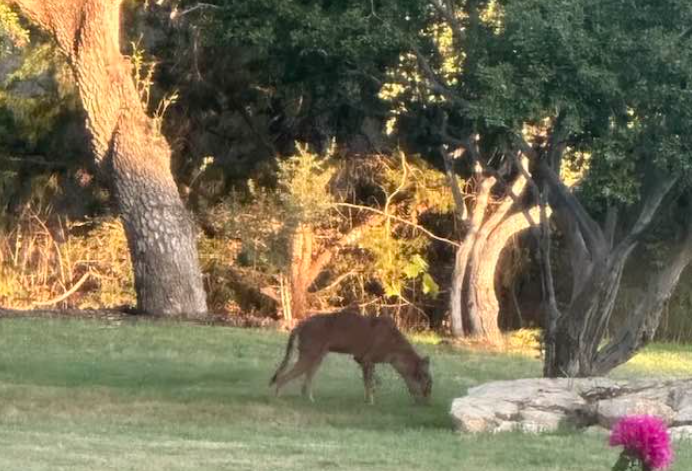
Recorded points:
(303,178)
(398,261)
(11,28)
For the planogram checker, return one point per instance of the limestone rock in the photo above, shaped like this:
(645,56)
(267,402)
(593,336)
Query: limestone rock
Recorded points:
(594,404)
(684,432)
(609,411)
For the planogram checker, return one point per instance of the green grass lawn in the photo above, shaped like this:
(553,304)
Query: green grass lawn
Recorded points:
(87,395)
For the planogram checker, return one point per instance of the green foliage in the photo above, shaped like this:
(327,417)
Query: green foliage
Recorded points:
(346,33)
(36,96)
(264,220)
(303,180)
(257,220)
(316,64)
(143,72)
(399,260)
(12,32)
(39,110)
(616,73)
(394,253)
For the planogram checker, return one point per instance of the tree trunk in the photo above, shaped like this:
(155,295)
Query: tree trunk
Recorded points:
(481,302)
(482,277)
(301,259)
(305,268)
(641,325)
(574,336)
(463,254)
(455,295)
(131,151)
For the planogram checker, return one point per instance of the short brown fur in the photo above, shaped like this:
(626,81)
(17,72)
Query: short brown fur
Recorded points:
(370,340)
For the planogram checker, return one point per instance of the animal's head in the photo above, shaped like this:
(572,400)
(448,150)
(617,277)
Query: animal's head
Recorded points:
(420,381)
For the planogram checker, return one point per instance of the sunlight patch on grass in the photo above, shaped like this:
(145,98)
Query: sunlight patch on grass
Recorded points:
(659,361)
(425,338)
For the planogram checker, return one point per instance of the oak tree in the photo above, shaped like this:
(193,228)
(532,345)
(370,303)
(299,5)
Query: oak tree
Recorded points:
(130,151)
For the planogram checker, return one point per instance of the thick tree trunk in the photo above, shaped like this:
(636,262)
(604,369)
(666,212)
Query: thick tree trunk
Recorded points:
(481,301)
(577,335)
(131,151)
(574,336)
(455,295)
(462,257)
(483,275)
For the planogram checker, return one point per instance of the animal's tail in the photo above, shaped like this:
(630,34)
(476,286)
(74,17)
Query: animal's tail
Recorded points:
(287,357)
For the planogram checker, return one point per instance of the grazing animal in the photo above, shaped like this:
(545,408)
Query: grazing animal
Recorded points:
(370,340)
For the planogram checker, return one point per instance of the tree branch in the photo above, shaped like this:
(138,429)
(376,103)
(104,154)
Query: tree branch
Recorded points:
(348,239)
(175,14)
(65,295)
(30,160)
(458,196)
(643,323)
(651,205)
(401,220)
(437,84)
(593,236)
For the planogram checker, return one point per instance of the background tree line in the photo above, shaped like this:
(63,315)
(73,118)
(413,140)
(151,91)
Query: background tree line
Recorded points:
(478,164)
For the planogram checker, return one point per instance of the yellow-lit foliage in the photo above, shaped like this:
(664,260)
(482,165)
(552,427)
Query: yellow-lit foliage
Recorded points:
(304,178)
(573,167)
(493,15)
(406,83)
(11,26)
(443,38)
(36,268)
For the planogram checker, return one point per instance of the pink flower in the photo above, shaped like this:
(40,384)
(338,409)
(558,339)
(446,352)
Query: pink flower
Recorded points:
(644,437)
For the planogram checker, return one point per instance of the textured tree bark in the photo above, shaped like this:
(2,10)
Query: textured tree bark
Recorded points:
(573,339)
(481,270)
(641,326)
(462,253)
(462,256)
(483,278)
(131,151)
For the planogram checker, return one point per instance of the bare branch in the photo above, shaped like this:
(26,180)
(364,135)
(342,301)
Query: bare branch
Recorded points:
(350,238)
(642,324)
(11,160)
(65,295)
(458,196)
(338,280)
(401,220)
(175,14)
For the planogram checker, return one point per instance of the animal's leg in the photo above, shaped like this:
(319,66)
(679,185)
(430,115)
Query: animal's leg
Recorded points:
(303,364)
(368,380)
(307,384)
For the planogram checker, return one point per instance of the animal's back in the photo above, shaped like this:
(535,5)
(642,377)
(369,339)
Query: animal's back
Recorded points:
(349,332)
